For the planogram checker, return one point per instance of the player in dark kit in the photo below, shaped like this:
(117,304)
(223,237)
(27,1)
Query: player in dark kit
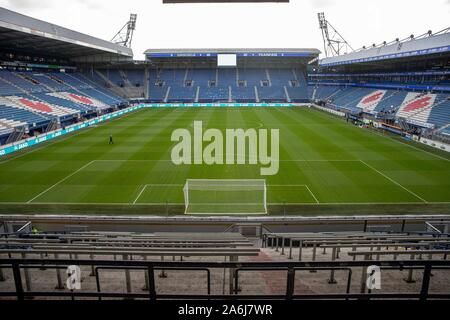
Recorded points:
(111,141)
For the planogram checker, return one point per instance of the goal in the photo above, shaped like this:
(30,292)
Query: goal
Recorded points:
(213,196)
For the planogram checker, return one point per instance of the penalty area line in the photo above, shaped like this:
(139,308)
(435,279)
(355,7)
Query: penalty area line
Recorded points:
(154,185)
(312,194)
(420,203)
(393,181)
(140,194)
(60,181)
(295,186)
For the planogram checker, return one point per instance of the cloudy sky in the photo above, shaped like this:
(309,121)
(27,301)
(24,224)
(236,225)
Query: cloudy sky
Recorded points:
(362,22)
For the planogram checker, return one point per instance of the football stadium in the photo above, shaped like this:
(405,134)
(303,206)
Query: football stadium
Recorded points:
(215,174)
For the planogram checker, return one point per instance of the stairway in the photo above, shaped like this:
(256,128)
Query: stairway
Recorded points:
(438,130)
(166,98)
(117,90)
(288,98)
(268,77)
(16,135)
(334,93)
(314,93)
(53,125)
(295,74)
(50,89)
(125,79)
(197,94)
(186,74)
(134,92)
(256,95)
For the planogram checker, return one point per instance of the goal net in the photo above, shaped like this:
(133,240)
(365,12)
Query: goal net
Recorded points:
(225,196)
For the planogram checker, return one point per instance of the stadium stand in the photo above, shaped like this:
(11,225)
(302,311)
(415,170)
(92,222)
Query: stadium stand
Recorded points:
(369,84)
(224,85)
(203,77)
(35,99)
(226,77)
(214,94)
(430,110)
(334,260)
(182,94)
(135,77)
(251,257)
(245,94)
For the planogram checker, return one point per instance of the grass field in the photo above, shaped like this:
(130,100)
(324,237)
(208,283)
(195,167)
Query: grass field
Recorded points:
(323,162)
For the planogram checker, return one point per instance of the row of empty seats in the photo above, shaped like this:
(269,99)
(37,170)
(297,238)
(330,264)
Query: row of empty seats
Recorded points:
(227,85)
(428,109)
(122,264)
(232,84)
(133,246)
(226,94)
(34,99)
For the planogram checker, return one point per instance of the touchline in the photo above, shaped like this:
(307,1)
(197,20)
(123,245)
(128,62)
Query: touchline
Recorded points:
(241,147)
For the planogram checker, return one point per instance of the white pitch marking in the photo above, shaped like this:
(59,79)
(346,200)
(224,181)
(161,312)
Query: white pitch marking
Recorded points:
(317,201)
(167,160)
(179,185)
(411,146)
(395,182)
(140,194)
(271,203)
(294,186)
(155,185)
(47,144)
(70,175)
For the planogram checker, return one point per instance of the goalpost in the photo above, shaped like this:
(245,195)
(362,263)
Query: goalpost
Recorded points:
(215,196)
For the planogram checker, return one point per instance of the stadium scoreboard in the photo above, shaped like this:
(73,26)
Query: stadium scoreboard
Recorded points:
(227,60)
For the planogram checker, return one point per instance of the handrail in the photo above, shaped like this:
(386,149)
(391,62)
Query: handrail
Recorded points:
(428,224)
(23,228)
(150,266)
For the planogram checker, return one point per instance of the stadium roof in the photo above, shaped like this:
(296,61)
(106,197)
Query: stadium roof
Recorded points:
(220,1)
(160,53)
(26,34)
(433,44)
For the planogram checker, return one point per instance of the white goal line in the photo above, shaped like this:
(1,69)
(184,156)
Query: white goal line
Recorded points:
(260,180)
(155,185)
(144,188)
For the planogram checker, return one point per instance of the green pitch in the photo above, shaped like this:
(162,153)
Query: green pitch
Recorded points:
(323,162)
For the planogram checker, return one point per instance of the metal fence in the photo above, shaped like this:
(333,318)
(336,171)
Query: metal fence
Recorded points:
(19,266)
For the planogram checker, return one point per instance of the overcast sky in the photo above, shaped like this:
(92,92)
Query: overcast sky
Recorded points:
(292,25)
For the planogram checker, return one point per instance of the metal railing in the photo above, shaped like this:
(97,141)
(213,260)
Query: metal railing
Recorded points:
(19,265)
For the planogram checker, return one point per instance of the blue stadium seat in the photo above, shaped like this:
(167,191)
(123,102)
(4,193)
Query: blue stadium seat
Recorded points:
(272,94)
(157,94)
(214,94)
(36,98)
(215,85)
(243,94)
(182,94)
